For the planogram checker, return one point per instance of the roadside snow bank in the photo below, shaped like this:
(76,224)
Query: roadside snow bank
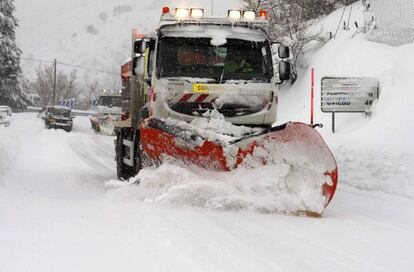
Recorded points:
(53,162)
(374,153)
(375,170)
(13,138)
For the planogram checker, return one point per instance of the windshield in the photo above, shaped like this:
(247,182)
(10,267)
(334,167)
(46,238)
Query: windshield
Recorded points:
(61,112)
(197,58)
(110,101)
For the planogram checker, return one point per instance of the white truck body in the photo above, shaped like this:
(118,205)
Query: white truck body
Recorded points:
(243,98)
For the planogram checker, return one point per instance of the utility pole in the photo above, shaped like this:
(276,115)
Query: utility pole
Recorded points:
(212,7)
(54,81)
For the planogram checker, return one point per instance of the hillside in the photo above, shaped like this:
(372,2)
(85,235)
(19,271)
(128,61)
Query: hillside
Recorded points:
(374,153)
(91,33)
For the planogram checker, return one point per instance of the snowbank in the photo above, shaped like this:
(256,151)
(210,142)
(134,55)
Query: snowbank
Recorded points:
(372,153)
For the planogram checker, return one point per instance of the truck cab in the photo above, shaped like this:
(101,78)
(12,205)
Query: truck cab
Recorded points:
(108,110)
(200,64)
(109,103)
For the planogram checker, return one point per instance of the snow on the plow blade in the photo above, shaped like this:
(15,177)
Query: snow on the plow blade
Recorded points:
(287,169)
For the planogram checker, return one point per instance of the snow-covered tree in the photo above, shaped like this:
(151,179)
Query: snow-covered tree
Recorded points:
(67,85)
(290,20)
(10,91)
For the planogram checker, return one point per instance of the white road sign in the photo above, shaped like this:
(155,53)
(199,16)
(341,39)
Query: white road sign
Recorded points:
(348,94)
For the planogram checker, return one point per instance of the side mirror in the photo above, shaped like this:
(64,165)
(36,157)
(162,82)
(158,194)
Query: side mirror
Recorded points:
(134,65)
(138,64)
(284,70)
(139,46)
(283,52)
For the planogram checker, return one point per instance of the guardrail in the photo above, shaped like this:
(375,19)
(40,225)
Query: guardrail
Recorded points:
(83,113)
(74,112)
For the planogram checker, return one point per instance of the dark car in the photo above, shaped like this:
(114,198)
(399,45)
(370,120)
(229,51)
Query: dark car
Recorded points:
(5,115)
(58,117)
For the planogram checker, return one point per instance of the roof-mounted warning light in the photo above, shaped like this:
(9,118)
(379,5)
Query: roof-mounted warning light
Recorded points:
(165,10)
(263,14)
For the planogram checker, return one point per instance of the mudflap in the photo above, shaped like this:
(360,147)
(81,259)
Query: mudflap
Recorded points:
(95,124)
(297,146)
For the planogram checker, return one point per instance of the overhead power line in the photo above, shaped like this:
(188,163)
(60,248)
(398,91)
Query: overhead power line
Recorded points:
(71,65)
(87,68)
(37,60)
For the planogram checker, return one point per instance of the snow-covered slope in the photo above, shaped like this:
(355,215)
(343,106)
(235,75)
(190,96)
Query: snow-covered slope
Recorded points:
(374,153)
(93,33)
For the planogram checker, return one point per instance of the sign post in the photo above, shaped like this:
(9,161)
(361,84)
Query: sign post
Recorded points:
(348,94)
(312,93)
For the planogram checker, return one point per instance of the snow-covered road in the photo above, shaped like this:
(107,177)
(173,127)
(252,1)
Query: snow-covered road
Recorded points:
(58,214)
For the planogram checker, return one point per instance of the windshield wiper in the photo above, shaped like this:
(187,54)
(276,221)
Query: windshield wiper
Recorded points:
(222,75)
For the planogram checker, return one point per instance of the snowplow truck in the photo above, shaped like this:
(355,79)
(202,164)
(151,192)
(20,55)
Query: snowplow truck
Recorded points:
(108,110)
(205,93)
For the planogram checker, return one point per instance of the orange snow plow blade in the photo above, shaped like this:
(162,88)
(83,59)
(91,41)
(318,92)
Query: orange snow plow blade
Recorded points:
(311,168)
(102,125)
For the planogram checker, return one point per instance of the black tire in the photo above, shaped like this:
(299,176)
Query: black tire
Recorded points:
(143,114)
(138,156)
(124,172)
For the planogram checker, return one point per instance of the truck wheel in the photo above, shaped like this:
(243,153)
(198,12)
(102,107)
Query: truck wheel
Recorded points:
(138,156)
(143,114)
(124,172)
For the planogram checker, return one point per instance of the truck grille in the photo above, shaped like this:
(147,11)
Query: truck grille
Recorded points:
(228,110)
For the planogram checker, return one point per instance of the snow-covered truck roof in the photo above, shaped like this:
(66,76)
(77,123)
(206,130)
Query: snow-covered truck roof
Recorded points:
(192,22)
(217,33)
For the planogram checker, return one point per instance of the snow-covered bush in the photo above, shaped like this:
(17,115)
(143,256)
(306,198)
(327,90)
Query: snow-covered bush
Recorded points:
(290,20)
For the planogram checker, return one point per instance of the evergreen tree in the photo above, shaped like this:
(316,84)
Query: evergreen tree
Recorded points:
(10,92)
